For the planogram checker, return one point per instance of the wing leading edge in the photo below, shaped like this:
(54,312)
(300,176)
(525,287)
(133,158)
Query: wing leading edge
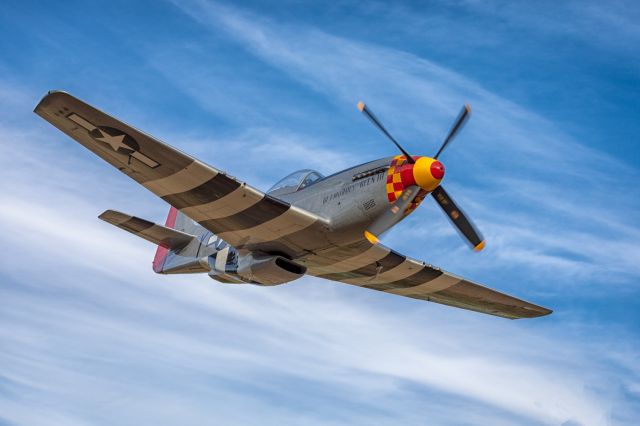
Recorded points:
(379,268)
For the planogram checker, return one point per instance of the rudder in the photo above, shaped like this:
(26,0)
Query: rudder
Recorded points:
(161,253)
(180,222)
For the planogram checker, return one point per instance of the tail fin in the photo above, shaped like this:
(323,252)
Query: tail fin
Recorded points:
(180,223)
(183,223)
(178,240)
(161,253)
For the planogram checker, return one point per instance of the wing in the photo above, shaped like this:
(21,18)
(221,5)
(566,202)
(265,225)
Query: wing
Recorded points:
(380,268)
(241,215)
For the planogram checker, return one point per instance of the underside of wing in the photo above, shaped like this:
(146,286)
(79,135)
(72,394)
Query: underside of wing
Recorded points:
(379,268)
(241,215)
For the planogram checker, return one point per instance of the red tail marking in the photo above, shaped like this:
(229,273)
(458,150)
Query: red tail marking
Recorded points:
(161,252)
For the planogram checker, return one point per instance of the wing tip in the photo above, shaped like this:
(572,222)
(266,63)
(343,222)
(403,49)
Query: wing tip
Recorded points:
(113,217)
(48,96)
(536,312)
(545,312)
(107,213)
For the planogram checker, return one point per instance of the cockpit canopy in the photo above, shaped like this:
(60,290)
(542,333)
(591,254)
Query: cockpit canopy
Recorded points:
(295,182)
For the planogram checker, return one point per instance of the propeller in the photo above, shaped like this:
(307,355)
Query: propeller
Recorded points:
(458,218)
(425,173)
(464,115)
(366,111)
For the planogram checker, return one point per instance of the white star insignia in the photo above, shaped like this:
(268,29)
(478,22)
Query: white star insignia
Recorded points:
(114,141)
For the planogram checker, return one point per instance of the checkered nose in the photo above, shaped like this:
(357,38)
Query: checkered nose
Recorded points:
(428,173)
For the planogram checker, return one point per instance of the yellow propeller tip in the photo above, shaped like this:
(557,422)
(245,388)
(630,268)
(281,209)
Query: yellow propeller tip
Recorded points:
(467,107)
(480,246)
(361,106)
(371,238)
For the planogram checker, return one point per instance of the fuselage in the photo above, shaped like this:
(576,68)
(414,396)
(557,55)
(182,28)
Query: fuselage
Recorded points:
(348,202)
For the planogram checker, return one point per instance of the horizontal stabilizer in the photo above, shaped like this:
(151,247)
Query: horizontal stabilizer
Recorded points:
(157,234)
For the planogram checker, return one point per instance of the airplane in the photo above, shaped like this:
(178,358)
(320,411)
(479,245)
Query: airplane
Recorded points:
(307,223)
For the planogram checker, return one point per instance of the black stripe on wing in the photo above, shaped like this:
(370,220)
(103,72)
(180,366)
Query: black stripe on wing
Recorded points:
(135,225)
(426,274)
(263,211)
(388,262)
(468,295)
(212,190)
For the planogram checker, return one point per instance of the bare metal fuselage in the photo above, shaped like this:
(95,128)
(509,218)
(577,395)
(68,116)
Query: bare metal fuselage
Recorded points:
(349,201)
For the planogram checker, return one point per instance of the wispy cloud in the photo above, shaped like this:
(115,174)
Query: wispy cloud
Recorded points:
(263,155)
(216,334)
(90,335)
(593,23)
(91,315)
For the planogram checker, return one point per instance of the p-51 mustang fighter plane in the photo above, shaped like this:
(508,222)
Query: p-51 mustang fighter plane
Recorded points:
(307,223)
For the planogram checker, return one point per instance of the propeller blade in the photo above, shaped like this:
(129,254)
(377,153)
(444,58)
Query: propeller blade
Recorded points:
(458,218)
(391,216)
(464,115)
(363,108)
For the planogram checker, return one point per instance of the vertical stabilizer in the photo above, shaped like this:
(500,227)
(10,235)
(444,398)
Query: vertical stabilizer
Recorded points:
(162,252)
(180,258)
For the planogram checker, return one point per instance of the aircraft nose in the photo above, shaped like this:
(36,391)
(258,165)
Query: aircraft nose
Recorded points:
(428,173)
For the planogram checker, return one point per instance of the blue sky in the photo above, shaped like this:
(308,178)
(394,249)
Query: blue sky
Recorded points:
(547,166)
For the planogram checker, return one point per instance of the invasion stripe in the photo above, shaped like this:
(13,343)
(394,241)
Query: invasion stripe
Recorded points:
(136,225)
(473,296)
(151,234)
(322,258)
(301,243)
(373,254)
(425,275)
(290,221)
(221,260)
(240,199)
(192,176)
(405,269)
(164,236)
(261,212)
(388,262)
(442,282)
(211,190)
(468,295)
(166,242)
